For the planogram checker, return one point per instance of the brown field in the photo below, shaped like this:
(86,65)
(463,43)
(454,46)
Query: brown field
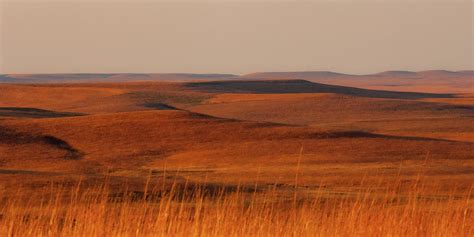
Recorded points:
(266,154)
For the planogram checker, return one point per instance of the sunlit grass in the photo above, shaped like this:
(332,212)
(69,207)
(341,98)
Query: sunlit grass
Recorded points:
(182,209)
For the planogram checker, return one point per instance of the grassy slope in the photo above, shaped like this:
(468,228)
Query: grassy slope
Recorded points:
(226,151)
(130,128)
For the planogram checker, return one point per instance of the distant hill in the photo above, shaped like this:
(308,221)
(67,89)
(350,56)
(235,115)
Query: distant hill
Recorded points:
(397,74)
(306,75)
(433,81)
(97,77)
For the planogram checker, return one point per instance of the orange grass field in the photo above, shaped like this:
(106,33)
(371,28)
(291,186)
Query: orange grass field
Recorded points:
(197,211)
(265,154)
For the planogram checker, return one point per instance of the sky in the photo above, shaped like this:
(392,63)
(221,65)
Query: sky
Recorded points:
(231,36)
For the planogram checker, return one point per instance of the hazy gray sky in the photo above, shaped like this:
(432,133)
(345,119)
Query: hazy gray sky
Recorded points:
(234,36)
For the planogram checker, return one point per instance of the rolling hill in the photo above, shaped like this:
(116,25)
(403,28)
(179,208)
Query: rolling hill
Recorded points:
(132,143)
(232,131)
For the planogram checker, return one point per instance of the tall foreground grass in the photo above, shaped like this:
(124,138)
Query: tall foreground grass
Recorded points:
(185,210)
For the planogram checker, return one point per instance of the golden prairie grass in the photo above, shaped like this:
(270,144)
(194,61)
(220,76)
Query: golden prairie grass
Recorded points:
(182,209)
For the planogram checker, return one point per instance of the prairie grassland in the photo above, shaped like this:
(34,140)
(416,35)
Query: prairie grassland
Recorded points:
(226,163)
(185,209)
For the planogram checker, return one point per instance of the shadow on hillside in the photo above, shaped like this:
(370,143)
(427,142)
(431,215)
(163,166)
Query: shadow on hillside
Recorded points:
(362,134)
(8,136)
(302,86)
(20,112)
(160,106)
